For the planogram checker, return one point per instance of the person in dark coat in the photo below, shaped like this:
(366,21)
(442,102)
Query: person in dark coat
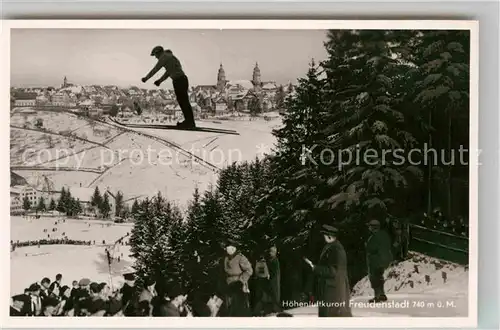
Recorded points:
(66,302)
(168,304)
(130,297)
(74,289)
(378,258)
(239,301)
(98,306)
(17,307)
(332,282)
(49,306)
(34,306)
(45,292)
(275,279)
(261,287)
(55,287)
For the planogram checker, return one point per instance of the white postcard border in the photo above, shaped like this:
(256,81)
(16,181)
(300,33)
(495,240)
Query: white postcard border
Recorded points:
(270,322)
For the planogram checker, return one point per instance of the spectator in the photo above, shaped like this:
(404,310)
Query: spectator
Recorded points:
(378,258)
(331,276)
(17,307)
(130,299)
(149,291)
(49,306)
(261,285)
(169,304)
(45,284)
(35,302)
(275,279)
(55,287)
(237,268)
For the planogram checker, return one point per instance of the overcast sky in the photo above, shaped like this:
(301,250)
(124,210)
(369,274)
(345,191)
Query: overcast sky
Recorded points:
(42,57)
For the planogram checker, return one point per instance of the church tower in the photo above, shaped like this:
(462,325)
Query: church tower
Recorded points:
(65,82)
(221,79)
(256,77)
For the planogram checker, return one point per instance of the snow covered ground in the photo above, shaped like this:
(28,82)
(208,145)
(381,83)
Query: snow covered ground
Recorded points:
(137,165)
(23,229)
(31,264)
(410,294)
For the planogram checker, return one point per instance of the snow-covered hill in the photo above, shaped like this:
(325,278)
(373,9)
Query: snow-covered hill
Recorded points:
(140,162)
(419,274)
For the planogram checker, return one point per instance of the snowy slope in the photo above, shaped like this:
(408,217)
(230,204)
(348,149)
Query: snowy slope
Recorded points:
(410,275)
(31,264)
(134,163)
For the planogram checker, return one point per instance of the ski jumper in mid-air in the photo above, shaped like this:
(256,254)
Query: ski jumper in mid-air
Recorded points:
(173,69)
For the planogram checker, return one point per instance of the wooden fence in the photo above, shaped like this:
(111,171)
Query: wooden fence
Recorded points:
(439,244)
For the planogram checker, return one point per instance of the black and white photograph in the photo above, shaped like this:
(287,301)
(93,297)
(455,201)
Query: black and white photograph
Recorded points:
(300,170)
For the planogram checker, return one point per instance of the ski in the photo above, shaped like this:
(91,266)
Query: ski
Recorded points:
(175,127)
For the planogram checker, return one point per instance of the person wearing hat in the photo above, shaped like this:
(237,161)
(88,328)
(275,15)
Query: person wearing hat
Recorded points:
(378,258)
(44,290)
(237,268)
(34,307)
(49,306)
(169,302)
(173,69)
(17,307)
(332,282)
(130,298)
(83,289)
(149,290)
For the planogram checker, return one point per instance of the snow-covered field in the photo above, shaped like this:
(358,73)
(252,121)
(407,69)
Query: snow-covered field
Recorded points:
(24,229)
(31,264)
(64,122)
(137,165)
(26,146)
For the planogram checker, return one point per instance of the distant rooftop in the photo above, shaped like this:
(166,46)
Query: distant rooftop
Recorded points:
(25,96)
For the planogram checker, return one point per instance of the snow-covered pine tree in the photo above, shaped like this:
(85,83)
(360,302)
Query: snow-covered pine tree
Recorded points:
(69,203)
(41,205)
(442,95)
(193,241)
(175,255)
(96,199)
(135,208)
(292,192)
(374,125)
(105,208)
(52,205)
(142,238)
(26,204)
(119,203)
(62,200)
(209,235)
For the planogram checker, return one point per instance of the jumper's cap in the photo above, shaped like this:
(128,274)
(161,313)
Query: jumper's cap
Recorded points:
(156,50)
